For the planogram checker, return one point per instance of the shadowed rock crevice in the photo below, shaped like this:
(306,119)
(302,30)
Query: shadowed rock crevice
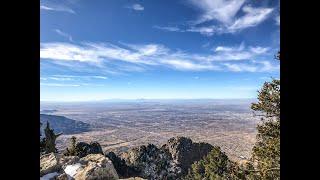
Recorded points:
(171,161)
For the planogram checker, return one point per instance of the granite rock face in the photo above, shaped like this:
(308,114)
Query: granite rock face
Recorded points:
(124,171)
(184,152)
(151,162)
(171,161)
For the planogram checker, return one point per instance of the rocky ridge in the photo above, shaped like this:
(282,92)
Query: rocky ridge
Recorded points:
(170,161)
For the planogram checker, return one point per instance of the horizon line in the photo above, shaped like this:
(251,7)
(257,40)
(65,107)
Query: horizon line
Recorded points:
(145,99)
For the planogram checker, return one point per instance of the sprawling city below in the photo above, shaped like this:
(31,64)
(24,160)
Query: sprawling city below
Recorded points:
(120,124)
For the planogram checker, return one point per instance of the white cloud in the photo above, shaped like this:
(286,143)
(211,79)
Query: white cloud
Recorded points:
(221,10)
(68,52)
(72,77)
(136,7)
(208,31)
(222,16)
(240,67)
(60,78)
(259,50)
(46,8)
(140,56)
(168,28)
(57,8)
(252,17)
(188,65)
(59,85)
(267,66)
(230,49)
(58,31)
(255,66)
(227,53)
(100,77)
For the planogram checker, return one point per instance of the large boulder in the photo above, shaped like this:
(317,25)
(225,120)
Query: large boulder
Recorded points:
(92,166)
(95,166)
(184,152)
(151,162)
(83,149)
(49,163)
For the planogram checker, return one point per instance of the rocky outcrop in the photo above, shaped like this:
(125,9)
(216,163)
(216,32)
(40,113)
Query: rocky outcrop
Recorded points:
(49,163)
(83,149)
(95,166)
(184,152)
(171,161)
(151,162)
(92,166)
(123,170)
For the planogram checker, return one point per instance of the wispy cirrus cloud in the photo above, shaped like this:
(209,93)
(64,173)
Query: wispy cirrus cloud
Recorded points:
(59,85)
(227,53)
(63,34)
(221,10)
(221,17)
(266,67)
(252,17)
(208,30)
(56,7)
(69,85)
(60,77)
(152,55)
(62,80)
(136,7)
(168,28)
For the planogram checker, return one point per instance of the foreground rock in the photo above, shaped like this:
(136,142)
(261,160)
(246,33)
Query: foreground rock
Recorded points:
(49,163)
(95,166)
(92,166)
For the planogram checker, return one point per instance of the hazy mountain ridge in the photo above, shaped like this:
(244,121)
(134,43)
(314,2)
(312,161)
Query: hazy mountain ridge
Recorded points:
(63,124)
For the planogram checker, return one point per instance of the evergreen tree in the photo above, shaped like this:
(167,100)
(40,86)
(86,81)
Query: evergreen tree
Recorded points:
(265,160)
(71,150)
(217,166)
(42,141)
(50,139)
(266,151)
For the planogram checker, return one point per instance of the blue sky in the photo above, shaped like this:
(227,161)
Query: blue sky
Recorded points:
(156,49)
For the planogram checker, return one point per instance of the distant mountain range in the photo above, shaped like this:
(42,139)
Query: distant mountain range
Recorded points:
(48,111)
(63,124)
